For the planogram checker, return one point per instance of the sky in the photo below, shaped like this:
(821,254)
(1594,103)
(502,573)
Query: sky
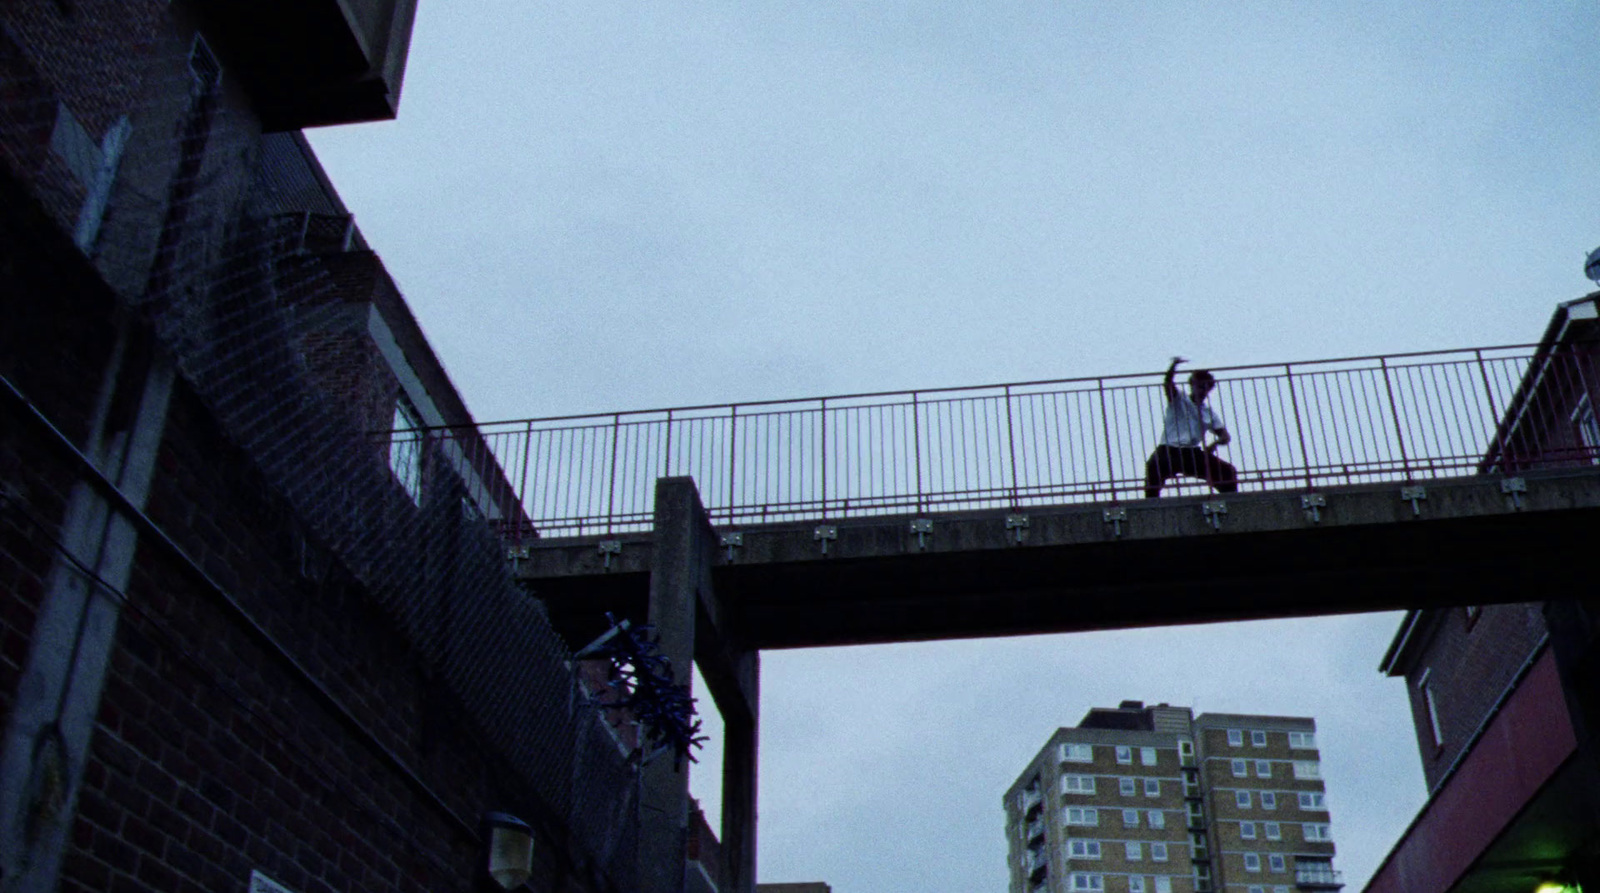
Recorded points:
(597,207)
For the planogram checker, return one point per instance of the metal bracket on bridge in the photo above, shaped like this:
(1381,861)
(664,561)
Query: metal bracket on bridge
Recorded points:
(1314,503)
(1214,512)
(1514,488)
(518,553)
(1018,524)
(823,534)
(923,528)
(1116,518)
(731,541)
(609,548)
(1415,495)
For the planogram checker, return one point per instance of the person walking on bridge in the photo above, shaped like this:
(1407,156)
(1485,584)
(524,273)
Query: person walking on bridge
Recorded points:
(1183,449)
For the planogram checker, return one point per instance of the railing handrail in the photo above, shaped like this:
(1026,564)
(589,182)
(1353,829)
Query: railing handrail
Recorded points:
(1422,414)
(955,389)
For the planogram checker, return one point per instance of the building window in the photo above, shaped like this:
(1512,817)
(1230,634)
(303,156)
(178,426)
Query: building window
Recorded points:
(1303,740)
(1263,768)
(1269,800)
(1152,787)
(1256,888)
(1077,784)
(1235,737)
(1082,815)
(1128,787)
(1130,818)
(1275,861)
(1135,884)
(1247,830)
(1163,884)
(1147,756)
(1242,799)
(1317,831)
(1258,739)
(1280,889)
(1077,753)
(1432,707)
(1313,800)
(1084,881)
(1158,819)
(1587,427)
(1083,849)
(1158,851)
(1185,748)
(1124,755)
(1307,769)
(1241,768)
(405,449)
(1274,831)
(1135,850)
(1252,861)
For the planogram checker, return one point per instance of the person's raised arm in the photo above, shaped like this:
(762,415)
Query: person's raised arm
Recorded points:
(1167,386)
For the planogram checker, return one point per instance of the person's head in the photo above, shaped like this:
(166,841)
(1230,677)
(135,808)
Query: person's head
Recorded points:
(1200,384)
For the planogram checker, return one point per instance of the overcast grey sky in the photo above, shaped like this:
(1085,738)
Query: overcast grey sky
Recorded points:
(597,207)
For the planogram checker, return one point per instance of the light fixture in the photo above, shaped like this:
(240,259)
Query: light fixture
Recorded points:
(510,850)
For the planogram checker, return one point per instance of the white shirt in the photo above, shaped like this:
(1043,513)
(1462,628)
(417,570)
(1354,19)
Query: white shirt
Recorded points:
(1186,424)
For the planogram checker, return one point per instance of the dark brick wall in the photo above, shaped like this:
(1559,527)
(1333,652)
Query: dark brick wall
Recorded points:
(299,721)
(1469,663)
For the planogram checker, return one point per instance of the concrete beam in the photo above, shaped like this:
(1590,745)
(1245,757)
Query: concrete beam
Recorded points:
(1159,562)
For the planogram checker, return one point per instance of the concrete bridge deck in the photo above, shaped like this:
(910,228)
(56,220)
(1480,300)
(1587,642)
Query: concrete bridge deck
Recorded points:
(1151,562)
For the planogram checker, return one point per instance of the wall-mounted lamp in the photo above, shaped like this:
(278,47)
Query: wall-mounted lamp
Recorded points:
(1557,886)
(510,850)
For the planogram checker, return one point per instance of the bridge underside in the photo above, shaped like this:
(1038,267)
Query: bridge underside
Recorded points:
(1074,568)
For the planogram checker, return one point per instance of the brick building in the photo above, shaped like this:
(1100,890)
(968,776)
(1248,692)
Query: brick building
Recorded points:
(1138,799)
(1505,697)
(248,636)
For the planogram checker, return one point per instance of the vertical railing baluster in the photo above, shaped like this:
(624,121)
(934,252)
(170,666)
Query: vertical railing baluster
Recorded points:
(522,488)
(1294,402)
(916,443)
(666,458)
(1105,427)
(1011,447)
(1394,413)
(733,459)
(611,486)
(824,458)
(1494,409)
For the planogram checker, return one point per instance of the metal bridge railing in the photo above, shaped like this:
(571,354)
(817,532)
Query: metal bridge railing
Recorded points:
(1295,426)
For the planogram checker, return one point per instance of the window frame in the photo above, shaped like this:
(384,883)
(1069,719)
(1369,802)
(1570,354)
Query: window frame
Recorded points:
(1236,737)
(1155,818)
(1128,786)
(1269,799)
(1149,756)
(1070,752)
(1240,767)
(1272,830)
(1158,851)
(1124,755)
(1263,768)
(1241,799)
(1247,830)
(1077,784)
(1258,738)
(1252,862)
(1130,812)
(1152,787)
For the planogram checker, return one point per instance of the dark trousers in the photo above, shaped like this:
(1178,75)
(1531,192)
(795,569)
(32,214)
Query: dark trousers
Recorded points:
(1170,461)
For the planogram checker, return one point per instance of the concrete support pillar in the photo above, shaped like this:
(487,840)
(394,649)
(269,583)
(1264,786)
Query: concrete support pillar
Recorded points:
(740,732)
(680,577)
(694,624)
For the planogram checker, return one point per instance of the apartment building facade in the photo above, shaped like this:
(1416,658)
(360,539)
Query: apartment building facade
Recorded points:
(1138,799)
